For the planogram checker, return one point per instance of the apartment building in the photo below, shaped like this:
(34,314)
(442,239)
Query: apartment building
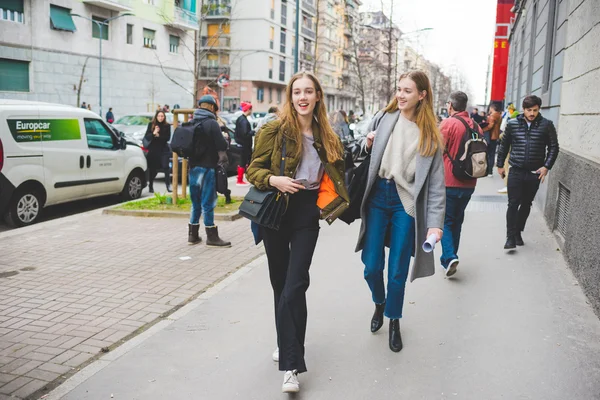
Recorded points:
(49,51)
(550,43)
(253,42)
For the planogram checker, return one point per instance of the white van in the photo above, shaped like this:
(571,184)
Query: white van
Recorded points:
(52,153)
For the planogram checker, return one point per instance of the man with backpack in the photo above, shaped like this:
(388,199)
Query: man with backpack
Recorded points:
(465,160)
(204,158)
(532,143)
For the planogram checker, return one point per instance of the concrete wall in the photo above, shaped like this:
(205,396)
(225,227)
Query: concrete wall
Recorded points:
(132,76)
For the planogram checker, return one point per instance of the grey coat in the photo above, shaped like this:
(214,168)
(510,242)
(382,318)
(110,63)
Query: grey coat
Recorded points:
(430,193)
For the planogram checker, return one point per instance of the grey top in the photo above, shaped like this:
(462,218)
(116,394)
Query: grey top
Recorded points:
(310,167)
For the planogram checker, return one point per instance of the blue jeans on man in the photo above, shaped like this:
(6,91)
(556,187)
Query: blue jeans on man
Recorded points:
(457,200)
(204,195)
(386,215)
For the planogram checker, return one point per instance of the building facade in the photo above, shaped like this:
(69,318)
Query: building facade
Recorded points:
(550,57)
(49,54)
(253,42)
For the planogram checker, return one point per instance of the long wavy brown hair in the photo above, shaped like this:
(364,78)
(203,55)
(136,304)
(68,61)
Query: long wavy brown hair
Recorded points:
(430,139)
(155,120)
(291,126)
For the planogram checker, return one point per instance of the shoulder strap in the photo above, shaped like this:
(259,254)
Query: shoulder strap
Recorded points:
(282,165)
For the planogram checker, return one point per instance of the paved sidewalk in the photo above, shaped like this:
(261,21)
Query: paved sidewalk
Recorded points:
(69,288)
(511,325)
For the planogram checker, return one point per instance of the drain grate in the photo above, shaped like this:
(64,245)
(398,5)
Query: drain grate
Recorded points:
(563,209)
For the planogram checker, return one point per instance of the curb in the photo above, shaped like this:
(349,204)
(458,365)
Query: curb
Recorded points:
(166,214)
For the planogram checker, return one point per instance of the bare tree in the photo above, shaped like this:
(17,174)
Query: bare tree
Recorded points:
(81,81)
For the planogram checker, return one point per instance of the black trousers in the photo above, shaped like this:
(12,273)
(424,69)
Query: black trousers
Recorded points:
(522,187)
(491,155)
(289,253)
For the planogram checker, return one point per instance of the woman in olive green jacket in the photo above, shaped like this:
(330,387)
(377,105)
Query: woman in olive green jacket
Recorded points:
(313,184)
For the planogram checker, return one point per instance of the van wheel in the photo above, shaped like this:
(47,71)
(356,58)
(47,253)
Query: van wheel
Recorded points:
(25,208)
(133,186)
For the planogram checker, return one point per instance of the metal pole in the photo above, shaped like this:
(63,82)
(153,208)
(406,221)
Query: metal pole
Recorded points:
(297,44)
(100,83)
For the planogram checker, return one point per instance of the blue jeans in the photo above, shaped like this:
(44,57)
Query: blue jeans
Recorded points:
(204,195)
(386,215)
(457,200)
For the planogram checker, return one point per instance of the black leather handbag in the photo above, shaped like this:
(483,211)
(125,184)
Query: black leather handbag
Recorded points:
(265,207)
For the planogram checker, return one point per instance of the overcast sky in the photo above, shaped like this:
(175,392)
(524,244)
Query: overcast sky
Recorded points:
(462,35)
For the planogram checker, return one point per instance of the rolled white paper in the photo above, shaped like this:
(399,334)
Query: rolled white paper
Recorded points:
(430,243)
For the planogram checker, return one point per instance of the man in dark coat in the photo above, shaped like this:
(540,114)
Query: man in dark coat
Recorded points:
(533,145)
(208,141)
(243,137)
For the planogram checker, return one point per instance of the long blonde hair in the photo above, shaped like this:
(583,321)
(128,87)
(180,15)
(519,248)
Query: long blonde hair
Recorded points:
(291,126)
(430,139)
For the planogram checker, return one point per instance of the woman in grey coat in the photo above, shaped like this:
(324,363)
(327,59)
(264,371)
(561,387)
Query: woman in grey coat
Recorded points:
(404,201)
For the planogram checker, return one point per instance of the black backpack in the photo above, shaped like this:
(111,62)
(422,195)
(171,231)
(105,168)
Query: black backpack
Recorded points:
(182,142)
(471,158)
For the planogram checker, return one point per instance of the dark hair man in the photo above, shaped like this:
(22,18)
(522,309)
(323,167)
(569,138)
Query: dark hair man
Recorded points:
(492,134)
(208,141)
(458,192)
(476,117)
(533,145)
(243,136)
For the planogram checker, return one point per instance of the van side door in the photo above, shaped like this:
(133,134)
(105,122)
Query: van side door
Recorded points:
(63,147)
(104,159)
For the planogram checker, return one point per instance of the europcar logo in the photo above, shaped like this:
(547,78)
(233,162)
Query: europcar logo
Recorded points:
(36,130)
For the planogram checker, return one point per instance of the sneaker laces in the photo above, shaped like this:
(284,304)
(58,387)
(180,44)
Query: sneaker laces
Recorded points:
(291,377)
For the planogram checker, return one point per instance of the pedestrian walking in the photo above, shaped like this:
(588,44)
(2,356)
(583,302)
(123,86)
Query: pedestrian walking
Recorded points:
(89,107)
(208,142)
(83,105)
(532,143)
(156,139)
(243,137)
(312,181)
(511,112)
(475,116)
(272,115)
(458,191)
(404,199)
(492,134)
(110,117)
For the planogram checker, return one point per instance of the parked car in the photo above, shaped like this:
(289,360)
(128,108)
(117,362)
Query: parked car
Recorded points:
(134,125)
(52,153)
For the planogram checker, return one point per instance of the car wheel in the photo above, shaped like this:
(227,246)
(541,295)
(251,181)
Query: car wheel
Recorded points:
(133,186)
(25,208)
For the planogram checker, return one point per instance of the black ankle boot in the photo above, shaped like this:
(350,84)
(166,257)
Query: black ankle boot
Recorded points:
(193,234)
(228,197)
(377,320)
(395,337)
(519,240)
(213,239)
(151,188)
(510,243)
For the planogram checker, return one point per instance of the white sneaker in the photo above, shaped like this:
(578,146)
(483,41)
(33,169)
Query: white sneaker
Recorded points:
(503,190)
(276,355)
(290,382)
(452,267)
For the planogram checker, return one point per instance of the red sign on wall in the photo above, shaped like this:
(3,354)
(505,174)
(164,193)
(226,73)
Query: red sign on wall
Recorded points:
(501,47)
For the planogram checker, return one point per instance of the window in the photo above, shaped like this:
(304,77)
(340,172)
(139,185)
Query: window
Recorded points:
(129,34)
(260,95)
(149,35)
(14,75)
(272,9)
(282,70)
(283,13)
(270,67)
(99,136)
(294,45)
(60,19)
(278,96)
(151,2)
(213,60)
(12,10)
(96,28)
(270,95)
(282,38)
(549,53)
(272,38)
(173,44)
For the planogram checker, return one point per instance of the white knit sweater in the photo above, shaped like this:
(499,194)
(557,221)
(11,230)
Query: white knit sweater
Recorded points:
(399,161)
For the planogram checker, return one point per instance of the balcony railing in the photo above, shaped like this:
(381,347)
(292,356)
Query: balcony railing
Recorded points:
(214,42)
(184,19)
(214,10)
(309,8)
(214,72)
(113,5)
(308,32)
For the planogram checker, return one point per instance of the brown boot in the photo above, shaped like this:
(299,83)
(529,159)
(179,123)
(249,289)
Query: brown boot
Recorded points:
(193,236)
(213,239)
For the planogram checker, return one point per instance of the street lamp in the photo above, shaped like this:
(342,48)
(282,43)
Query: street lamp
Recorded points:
(100,25)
